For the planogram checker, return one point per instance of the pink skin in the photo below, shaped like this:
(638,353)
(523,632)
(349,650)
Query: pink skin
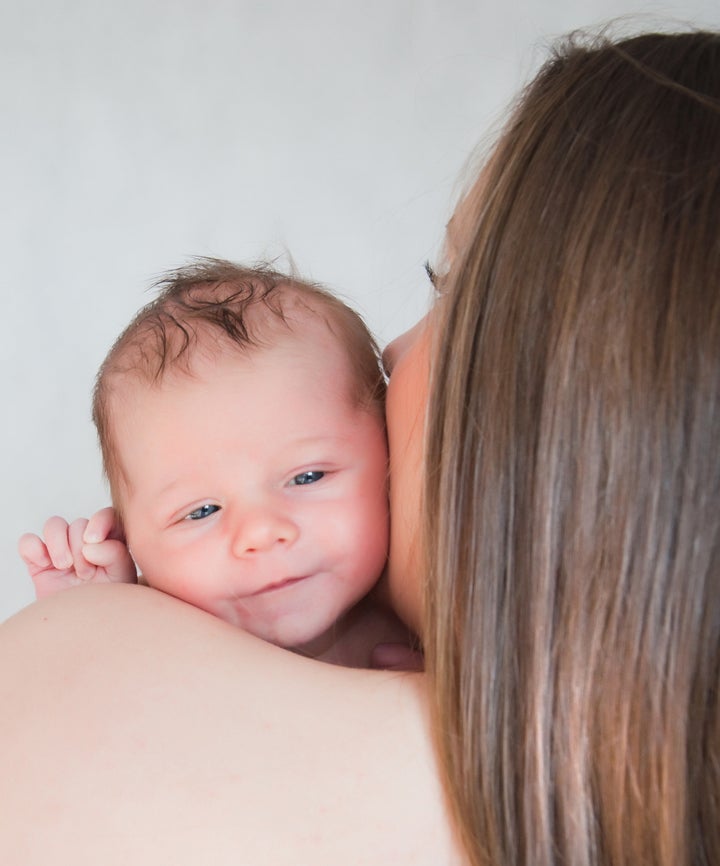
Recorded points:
(84,551)
(280,559)
(214,513)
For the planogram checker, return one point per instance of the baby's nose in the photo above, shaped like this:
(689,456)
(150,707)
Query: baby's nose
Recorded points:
(261,532)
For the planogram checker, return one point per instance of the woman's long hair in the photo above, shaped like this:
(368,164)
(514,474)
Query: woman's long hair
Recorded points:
(573,481)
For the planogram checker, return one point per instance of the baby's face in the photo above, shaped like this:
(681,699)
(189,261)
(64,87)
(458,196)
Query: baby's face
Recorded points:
(257,489)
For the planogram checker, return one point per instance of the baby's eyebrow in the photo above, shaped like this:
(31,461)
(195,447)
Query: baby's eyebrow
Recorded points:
(167,490)
(319,439)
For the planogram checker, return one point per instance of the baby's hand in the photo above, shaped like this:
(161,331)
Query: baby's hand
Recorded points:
(397,657)
(84,551)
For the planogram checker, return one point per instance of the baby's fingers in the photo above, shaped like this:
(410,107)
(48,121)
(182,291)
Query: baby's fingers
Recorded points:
(396,657)
(83,569)
(103,524)
(55,533)
(113,558)
(34,553)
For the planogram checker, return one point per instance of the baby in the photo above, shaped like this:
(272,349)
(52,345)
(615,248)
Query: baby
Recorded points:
(240,417)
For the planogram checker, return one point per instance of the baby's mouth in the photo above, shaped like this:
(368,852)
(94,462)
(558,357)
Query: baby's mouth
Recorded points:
(280,584)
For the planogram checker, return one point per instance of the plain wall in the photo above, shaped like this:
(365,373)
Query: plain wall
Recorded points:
(135,135)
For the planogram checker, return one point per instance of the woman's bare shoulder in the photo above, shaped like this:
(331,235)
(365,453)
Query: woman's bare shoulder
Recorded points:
(134,728)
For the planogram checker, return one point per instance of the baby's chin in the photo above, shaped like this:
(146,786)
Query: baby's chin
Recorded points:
(301,637)
(306,617)
(303,633)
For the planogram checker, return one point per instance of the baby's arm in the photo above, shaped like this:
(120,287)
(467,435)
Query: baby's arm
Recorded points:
(84,551)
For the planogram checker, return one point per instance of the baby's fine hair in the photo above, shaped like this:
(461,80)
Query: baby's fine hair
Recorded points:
(213,303)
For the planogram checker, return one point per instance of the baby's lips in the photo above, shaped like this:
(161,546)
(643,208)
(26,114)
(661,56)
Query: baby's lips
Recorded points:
(279,584)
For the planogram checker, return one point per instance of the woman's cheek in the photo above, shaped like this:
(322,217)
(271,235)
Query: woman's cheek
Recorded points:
(406,410)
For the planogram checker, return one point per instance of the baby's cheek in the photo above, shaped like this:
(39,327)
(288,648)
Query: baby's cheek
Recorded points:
(354,537)
(158,566)
(374,535)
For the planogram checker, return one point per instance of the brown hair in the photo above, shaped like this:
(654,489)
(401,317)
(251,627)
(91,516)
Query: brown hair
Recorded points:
(573,483)
(217,301)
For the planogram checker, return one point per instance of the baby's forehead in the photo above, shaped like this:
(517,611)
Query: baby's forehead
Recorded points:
(289,374)
(171,336)
(195,351)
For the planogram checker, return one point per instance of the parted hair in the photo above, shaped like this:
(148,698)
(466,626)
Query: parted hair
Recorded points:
(573,484)
(214,304)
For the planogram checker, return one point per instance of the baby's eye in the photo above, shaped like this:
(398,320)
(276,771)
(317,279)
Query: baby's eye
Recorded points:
(309,477)
(202,512)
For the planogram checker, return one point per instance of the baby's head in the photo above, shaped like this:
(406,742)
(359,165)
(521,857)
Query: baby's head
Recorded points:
(240,417)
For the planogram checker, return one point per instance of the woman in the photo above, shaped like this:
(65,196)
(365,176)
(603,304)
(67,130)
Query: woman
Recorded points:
(569,593)
(573,480)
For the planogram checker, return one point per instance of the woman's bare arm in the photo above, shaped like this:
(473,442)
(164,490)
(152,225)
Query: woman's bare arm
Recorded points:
(137,729)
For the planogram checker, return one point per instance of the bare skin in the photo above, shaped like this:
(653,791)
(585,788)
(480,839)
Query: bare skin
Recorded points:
(138,729)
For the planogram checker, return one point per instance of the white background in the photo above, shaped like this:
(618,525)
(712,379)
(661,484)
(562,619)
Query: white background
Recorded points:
(134,135)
